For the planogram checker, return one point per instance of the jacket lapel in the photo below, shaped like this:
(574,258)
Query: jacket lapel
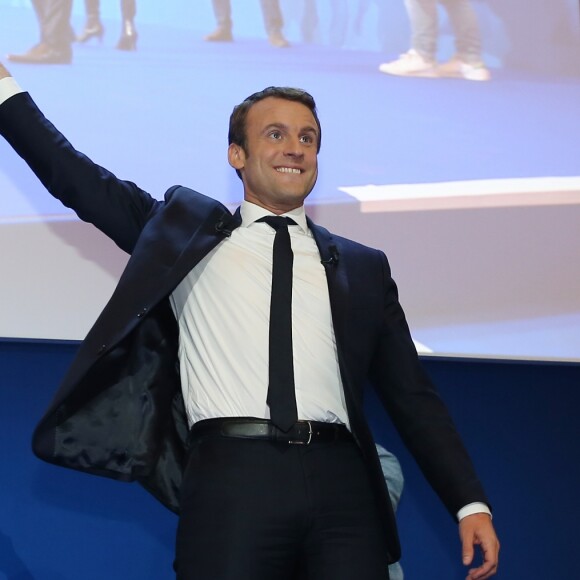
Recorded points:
(336,276)
(219,225)
(334,258)
(155,274)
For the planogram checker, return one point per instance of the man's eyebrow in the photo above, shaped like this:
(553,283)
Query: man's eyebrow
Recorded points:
(305,129)
(310,129)
(275,126)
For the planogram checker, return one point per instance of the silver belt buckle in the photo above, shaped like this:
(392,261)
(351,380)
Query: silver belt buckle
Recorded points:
(309,437)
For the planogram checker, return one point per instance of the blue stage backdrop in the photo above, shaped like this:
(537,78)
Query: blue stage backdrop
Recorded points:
(519,421)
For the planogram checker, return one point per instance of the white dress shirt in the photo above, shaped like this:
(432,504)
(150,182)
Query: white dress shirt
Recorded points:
(8,88)
(223,310)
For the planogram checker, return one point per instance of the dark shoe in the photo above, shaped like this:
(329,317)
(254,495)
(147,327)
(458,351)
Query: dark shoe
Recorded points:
(220,35)
(128,39)
(43,54)
(93,29)
(278,40)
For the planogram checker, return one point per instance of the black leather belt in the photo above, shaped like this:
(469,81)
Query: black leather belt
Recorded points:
(302,432)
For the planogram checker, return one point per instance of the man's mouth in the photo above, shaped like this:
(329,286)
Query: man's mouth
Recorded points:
(288,170)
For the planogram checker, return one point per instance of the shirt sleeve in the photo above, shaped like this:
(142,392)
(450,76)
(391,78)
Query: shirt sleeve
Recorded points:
(473,508)
(8,88)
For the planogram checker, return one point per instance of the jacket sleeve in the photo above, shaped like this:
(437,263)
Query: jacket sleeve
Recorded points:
(118,208)
(417,410)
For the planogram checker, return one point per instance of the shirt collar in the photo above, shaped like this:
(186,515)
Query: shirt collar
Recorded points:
(251,213)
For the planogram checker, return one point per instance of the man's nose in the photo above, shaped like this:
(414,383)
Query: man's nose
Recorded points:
(293,148)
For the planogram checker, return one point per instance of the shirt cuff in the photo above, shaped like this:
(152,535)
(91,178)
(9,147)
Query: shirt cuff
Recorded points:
(473,508)
(8,88)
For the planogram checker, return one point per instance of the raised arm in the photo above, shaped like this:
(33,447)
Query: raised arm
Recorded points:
(118,208)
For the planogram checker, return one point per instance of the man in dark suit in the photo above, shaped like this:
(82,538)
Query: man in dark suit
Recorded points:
(175,386)
(56,34)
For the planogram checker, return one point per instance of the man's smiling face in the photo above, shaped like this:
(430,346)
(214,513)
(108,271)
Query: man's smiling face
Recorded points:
(279,165)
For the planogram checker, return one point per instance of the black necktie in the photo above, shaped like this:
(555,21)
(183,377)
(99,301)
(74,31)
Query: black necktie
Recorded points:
(281,392)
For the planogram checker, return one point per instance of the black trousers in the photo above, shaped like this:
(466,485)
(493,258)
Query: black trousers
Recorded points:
(259,510)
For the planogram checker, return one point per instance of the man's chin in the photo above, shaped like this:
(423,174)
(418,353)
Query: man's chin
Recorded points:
(295,199)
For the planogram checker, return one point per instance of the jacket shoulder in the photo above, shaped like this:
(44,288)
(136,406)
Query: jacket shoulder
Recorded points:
(344,244)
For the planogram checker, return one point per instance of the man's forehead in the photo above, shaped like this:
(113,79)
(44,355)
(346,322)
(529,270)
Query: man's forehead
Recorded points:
(272,110)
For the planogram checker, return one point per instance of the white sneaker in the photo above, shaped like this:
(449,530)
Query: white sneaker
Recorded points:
(410,64)
(460,69)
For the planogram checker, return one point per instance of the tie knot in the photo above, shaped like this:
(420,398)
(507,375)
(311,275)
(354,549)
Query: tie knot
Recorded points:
(277,222)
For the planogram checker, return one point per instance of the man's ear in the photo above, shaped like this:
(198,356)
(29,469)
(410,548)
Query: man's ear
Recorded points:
(236,156)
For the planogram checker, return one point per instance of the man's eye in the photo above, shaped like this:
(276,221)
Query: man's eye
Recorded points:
(276,135)
(306,139)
